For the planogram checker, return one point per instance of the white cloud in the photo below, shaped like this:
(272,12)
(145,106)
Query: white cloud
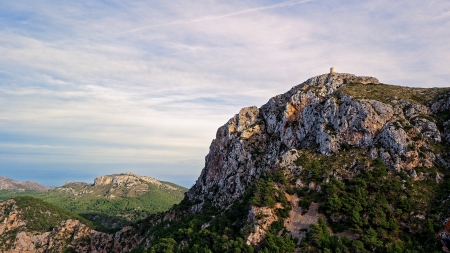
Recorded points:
(150,82)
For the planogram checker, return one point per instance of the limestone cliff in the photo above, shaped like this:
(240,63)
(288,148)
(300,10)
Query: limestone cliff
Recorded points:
(323,114)
(17,234)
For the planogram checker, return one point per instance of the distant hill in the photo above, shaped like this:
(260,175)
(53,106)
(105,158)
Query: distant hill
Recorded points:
(11,184)
(113,200)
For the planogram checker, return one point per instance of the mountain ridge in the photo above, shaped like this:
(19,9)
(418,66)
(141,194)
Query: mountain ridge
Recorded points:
(11,184)
(304,117)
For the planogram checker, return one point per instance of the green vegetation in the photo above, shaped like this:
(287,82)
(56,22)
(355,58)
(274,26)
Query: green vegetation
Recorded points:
(386,92)
(365,206)
(226,232)
(39,216)
(108,205)
(371,209)
(386,211)
(228,229)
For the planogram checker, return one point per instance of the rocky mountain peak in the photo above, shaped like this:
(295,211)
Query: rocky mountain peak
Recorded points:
(326,113)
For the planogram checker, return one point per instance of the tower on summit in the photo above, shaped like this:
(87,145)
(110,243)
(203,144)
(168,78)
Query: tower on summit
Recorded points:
(332,70)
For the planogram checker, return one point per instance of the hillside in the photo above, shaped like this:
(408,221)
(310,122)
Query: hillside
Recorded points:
(339,163)
(113,200)
(10,184)
(31,225)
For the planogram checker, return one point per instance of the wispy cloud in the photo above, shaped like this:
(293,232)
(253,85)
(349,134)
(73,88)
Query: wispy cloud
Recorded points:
(207,18)
(145,85)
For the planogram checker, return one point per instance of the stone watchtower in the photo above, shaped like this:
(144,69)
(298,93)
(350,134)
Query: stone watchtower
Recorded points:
(332,70)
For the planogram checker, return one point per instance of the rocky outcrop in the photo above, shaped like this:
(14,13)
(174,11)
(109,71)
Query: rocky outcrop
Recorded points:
(442,106)
(260,218)
(69,234)
(315,115)
(445,235)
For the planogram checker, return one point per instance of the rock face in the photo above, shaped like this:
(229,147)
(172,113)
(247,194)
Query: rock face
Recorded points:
(316,115)
(69,234)
(260,225)
(11,184)
(128,179)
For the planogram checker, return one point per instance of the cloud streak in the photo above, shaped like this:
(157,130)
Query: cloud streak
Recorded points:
(207,18)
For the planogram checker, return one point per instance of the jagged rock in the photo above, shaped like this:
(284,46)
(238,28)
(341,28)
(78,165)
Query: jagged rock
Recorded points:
(234,159)
(412,109)
(68,234)
(287,162)
(261,218)
(441,105)
(443,160)
(207,224)
(413,174)
(313,115)
(445,235)
(427,128)
(447,131)
(299,184)
(439,178)
(394,141)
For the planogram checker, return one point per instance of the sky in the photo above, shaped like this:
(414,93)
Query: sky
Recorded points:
(91,88)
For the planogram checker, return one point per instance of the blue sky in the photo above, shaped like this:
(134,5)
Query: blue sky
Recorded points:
(90,88)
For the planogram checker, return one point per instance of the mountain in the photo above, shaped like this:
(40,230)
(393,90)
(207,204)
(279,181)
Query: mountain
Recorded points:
(32,225)
(339,163)
(10,184)
(113,200)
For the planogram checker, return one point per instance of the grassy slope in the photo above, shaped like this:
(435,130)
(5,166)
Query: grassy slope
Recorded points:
(385,92)
(95,203)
